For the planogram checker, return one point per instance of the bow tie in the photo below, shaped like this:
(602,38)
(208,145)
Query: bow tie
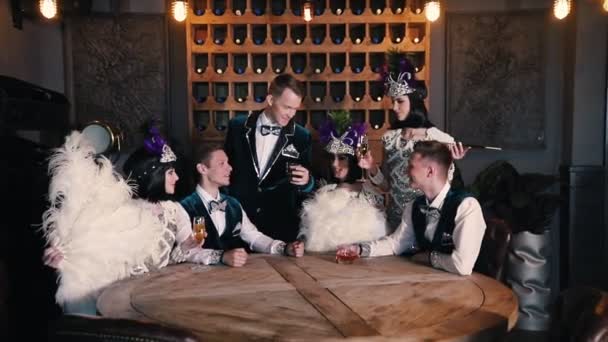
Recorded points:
(266,129)
(430,211)
(215,206)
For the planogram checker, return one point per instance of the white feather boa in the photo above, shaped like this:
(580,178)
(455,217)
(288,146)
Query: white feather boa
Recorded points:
(101,231)
(335,216)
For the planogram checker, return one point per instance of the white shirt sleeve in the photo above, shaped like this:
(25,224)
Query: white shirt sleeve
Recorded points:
(468,235)
(402,239)
(434,133)
(257,241)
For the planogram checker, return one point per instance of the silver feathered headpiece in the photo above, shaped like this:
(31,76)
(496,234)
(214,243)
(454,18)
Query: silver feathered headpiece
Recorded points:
(399,87)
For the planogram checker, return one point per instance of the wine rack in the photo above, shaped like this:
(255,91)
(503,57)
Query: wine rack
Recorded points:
(236,47)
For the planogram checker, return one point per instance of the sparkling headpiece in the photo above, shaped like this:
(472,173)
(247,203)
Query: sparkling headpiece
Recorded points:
(156,145)
(339,134)
(399,87)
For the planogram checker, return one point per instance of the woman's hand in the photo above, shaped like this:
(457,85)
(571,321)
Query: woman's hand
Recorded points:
(52,257)
(458,151)
(192,243)
(295,249)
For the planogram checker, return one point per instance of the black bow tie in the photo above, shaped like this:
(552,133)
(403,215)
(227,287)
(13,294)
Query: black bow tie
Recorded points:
(215,206)
(430,211)
(267,129)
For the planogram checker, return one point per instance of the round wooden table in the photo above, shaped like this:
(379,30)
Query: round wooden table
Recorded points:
(314,298)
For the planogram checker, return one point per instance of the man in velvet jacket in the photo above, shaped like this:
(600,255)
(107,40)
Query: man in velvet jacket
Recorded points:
(259,147)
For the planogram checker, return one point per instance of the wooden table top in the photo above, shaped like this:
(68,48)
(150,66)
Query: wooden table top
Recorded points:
(313,297)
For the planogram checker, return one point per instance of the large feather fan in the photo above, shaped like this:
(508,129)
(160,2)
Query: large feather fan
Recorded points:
(335,217)
(93,220)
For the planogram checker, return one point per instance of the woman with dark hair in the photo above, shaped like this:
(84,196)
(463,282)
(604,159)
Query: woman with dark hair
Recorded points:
(411,125)
(101,227)
(346,209)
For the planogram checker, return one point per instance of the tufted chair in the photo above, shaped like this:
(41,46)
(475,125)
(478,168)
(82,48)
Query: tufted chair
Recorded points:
(494,248)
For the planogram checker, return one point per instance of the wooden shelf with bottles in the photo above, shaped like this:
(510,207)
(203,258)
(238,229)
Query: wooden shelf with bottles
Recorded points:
(233,53)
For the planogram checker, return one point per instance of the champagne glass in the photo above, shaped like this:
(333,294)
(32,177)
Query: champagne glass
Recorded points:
(363,148)
(198,228)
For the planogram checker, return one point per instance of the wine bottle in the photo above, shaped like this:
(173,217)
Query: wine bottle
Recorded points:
(397,32)
(337,91)
(296,7)
(219,34)
(199,7)
(220,91)
(416,6)
(200,34)
(376,119)
(317,118)
(219,7)
(239,6)
(277,7)
(279,62)
(318,33)
(301,118)
(259,34)
(397,6)
(260,91)
(200,91)
(201,119)
(239,34)
(357,62)
(238,113)
(337,62)
(221,119)
(357,90)
(319,7)
(357,6)
(357,33)
(357,116)
(241,91)
(258,7)
(298,62)
(376,90)
(278,33)
(239,63)
(318,61)
(377,32)
(417,60)
(337,32)
(318,91)
(260,62)
(337,6)
(201,61)
(298,33)
(416,32)
(377,6)
(376,61)
(220,62)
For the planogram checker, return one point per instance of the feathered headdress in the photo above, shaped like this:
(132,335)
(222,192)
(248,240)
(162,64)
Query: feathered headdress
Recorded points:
(339,134)
(398,74)
(156,144)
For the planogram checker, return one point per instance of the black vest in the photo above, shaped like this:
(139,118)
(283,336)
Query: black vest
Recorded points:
(443,239)
(230,238)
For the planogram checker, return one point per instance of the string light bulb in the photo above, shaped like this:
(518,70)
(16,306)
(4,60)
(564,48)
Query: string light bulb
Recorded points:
(432,10)
(48,8)
(561,8)
(605,5)
(179,8)
(307,11)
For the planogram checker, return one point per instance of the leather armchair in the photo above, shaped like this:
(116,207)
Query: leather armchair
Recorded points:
(580,314)
(494,248)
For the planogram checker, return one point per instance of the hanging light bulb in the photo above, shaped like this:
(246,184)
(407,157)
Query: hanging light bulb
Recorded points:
(48,8)
(307,11)
(432,10)
(605,5)
(561,8)
(179,9)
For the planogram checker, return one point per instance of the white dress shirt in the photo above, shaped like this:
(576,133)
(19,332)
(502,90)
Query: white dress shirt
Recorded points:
(257,241)
(467,236)
(264,144)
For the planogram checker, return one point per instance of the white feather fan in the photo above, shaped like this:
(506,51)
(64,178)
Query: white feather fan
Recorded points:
(101,231)
(335,217)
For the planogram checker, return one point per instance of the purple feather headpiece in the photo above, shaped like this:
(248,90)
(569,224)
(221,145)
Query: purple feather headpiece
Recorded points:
(156,145)
(339,134)
(399,75)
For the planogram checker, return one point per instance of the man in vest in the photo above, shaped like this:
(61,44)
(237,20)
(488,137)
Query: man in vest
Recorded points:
(229,232)
(443,227)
